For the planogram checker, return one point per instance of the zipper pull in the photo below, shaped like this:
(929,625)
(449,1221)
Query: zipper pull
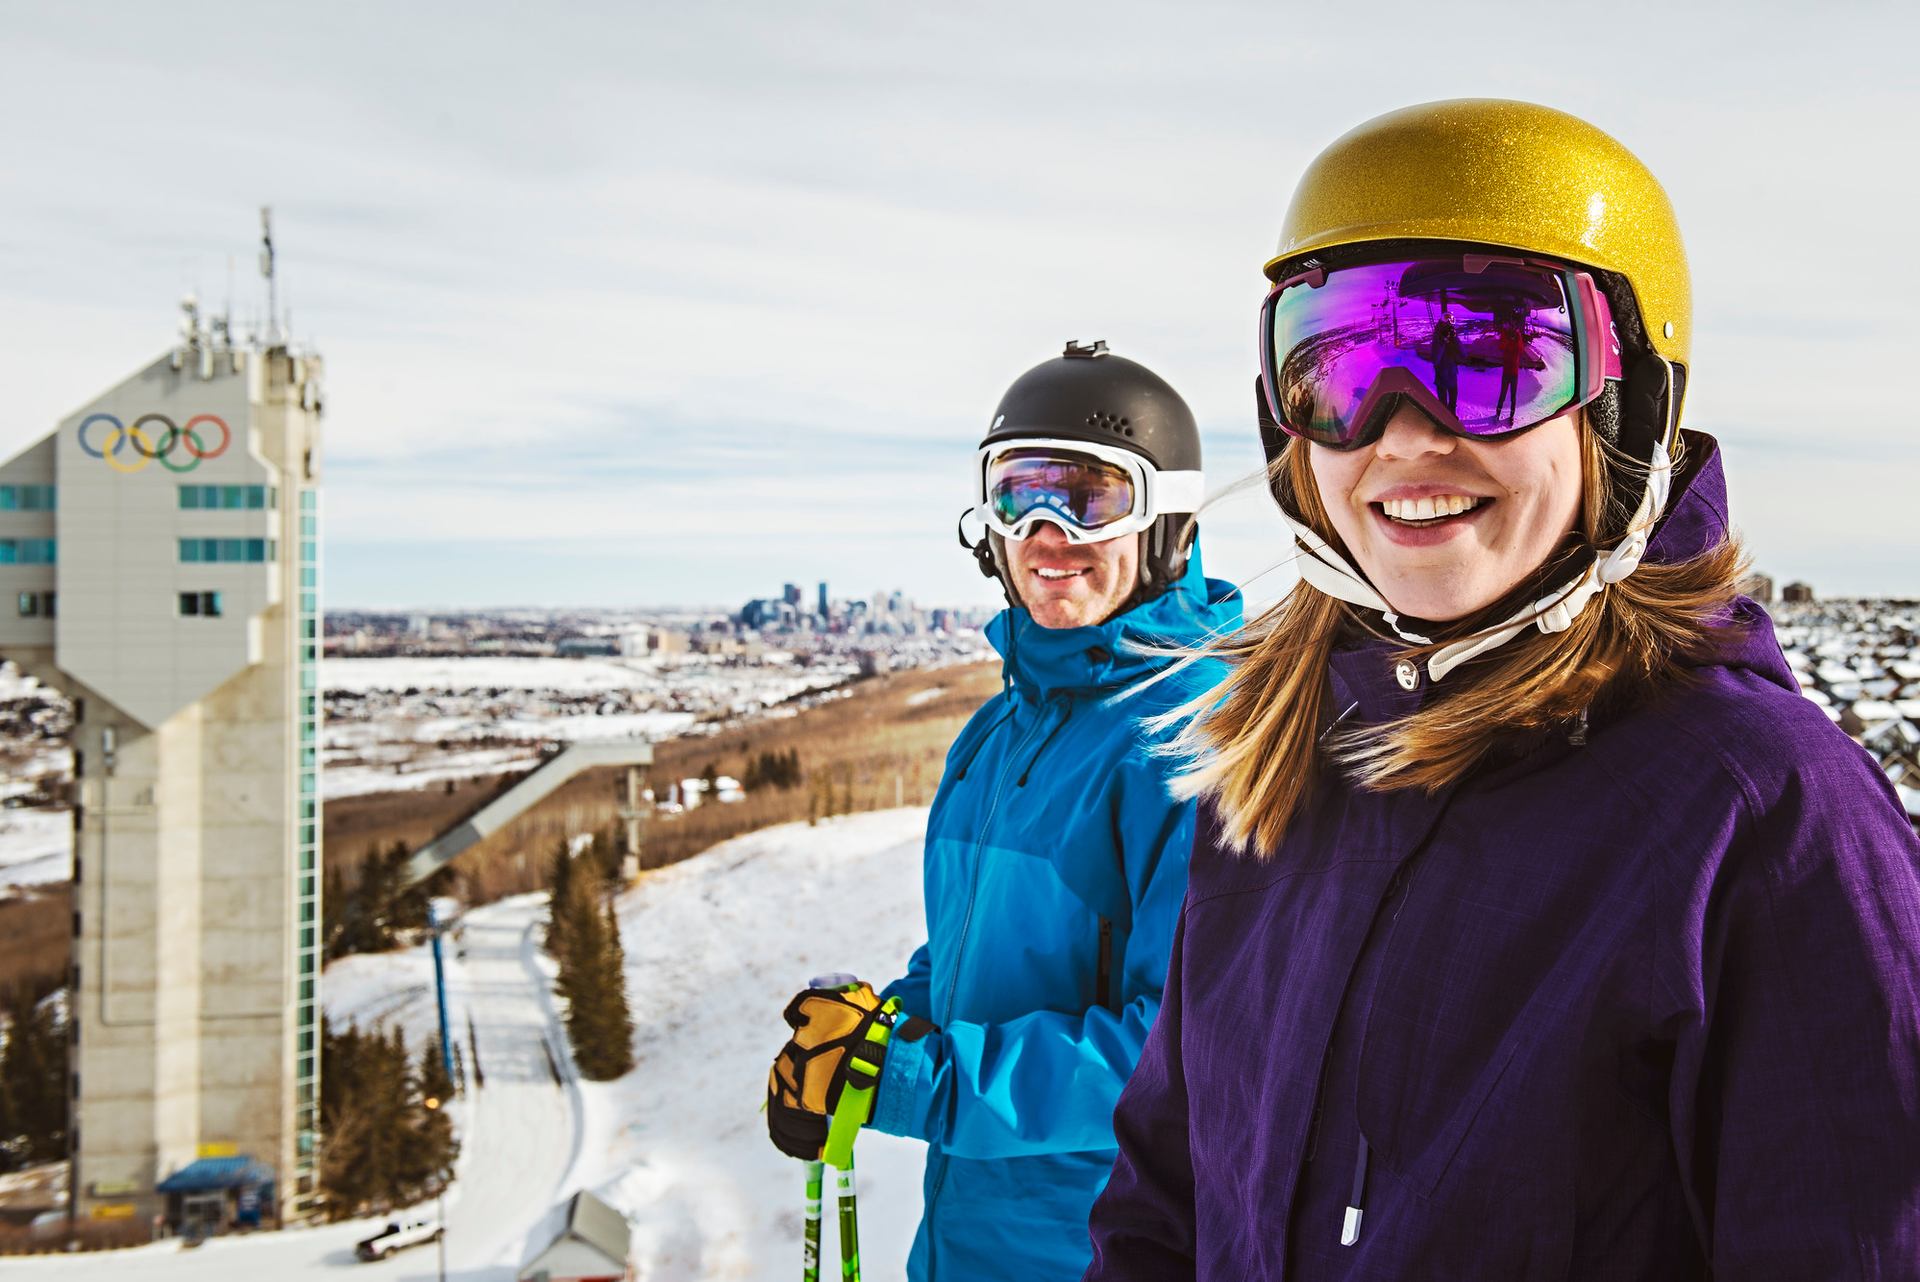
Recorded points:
(1350,1227)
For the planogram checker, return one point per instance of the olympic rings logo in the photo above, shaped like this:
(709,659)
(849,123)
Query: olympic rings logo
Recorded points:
(145,449)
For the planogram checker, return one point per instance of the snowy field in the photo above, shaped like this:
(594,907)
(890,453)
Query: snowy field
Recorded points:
(36,846)
(715,947)
(401,723)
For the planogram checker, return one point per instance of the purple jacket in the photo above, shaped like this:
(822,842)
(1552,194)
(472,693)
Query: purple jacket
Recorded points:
(1647,1008)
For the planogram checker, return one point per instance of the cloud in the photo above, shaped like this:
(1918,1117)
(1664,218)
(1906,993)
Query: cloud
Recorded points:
(687,275)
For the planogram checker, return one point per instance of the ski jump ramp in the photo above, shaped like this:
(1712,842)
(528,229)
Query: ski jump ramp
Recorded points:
(532,788)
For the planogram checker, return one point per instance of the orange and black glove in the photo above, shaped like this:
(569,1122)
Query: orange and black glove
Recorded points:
(829,1050)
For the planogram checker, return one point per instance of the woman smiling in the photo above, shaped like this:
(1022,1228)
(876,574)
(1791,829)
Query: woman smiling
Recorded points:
(1537,927)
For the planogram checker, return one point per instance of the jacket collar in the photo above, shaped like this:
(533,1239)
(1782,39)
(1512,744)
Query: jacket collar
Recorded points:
(1040,662)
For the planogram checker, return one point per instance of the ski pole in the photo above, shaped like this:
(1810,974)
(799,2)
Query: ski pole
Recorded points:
(856,1104)
(810,1268)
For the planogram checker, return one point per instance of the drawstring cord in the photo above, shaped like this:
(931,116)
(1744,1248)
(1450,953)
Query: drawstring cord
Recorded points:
(1065,716)
(1350,1227)
(974,749)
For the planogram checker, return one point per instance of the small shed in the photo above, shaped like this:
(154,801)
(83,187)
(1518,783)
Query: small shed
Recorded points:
(592,1246)
(217,1193)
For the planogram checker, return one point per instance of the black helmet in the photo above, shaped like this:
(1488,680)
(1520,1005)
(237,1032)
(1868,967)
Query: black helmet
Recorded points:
(1087,394)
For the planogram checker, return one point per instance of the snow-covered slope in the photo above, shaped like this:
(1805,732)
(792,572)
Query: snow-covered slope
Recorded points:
(715,947)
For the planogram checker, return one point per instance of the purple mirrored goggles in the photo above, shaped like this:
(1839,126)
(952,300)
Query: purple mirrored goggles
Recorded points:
(1487,345)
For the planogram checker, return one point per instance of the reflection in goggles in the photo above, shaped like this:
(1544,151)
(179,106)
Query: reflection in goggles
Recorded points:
(1087,491)
(1495,346)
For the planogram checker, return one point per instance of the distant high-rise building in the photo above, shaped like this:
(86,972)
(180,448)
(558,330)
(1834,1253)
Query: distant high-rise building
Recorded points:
(1759,587)
(1796,592)
(791,595)
(824,612)
(175,518)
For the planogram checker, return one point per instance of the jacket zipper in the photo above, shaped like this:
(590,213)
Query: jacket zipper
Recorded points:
(960,948)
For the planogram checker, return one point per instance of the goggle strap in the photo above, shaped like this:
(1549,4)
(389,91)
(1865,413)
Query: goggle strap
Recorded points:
(1177,491)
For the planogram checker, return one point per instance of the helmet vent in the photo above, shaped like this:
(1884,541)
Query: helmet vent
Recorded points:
(1115,423)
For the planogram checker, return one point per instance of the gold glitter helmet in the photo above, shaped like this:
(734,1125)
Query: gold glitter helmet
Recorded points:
(1508,174)
(1487,174)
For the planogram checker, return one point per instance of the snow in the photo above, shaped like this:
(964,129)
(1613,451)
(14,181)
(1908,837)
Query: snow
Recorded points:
(928,695)
(36,846)
(575,676)
(715,947)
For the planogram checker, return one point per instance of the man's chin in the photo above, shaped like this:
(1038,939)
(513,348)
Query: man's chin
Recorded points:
(1065,610)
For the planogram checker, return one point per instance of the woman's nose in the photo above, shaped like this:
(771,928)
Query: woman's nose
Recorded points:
(1411,432)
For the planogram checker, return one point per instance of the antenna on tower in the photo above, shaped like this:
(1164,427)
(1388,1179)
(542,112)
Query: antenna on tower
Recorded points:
(223,323)
(266,269)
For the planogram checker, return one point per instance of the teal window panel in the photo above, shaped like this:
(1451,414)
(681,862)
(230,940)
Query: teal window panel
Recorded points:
(309,501)
(26,498)
(189,498)
(26,552)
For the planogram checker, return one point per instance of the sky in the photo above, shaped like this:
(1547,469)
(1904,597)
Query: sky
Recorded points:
(649,303)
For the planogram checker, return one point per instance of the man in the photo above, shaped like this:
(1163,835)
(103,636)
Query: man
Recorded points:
(1056,860)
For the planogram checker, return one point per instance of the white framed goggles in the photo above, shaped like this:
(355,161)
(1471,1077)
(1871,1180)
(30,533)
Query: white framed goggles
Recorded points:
(1091,492)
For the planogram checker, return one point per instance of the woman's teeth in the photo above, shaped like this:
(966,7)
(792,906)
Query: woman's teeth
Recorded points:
(1429,509)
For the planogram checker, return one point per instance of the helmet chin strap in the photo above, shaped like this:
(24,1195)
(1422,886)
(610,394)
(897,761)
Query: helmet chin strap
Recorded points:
(1331,573)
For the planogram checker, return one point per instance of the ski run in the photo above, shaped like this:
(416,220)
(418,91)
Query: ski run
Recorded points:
(715,946)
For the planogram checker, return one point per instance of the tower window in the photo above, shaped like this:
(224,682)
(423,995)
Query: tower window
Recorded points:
(26,552)
(36,605)
(26,498)
(201,605)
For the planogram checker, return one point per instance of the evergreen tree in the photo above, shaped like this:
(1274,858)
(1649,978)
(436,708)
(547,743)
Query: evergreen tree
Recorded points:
(559,885)
(33,1079)
(593,981)
(426,1145)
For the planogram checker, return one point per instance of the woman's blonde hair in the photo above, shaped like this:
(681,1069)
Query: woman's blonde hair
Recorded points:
(1255,739)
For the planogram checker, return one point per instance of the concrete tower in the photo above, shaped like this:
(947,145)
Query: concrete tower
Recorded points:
(159,563)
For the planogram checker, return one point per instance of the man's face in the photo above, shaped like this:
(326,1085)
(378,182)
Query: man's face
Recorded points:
(1072,585)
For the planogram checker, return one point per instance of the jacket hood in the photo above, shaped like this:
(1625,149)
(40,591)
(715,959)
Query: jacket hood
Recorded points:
(1695,522)
(1039,661)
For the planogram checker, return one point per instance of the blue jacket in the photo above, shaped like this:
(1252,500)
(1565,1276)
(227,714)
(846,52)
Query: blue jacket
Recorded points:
(1052,842)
